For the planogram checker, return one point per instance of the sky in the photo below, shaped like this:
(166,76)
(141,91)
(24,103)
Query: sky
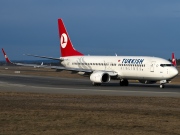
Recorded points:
(122,27)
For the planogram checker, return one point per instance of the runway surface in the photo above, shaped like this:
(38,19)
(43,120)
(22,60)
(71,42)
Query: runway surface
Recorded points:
(23,83)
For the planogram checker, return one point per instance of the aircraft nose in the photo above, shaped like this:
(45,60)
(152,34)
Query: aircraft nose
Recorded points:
(175,72)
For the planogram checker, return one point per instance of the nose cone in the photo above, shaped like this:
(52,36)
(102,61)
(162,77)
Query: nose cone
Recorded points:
(174,72)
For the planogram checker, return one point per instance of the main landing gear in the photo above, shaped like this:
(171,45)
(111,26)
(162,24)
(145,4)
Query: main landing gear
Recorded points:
(124,82)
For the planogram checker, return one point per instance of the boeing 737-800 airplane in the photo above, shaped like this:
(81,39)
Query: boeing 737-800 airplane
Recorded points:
(102,69)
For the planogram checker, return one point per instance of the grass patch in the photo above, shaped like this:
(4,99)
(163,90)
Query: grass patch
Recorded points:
(31,113)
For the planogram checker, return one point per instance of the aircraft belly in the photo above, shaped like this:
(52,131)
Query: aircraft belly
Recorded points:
(141,78)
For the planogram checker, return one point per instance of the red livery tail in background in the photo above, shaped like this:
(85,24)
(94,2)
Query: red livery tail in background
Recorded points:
(173,59)
(6,57)
(66,46)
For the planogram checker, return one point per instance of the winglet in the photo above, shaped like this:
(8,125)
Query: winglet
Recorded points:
(174,59)
(6,57)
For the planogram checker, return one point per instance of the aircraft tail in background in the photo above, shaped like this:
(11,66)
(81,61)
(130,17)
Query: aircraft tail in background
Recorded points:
(174,59)
(6,57)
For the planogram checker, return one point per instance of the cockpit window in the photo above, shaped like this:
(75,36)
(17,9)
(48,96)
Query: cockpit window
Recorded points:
(166,65)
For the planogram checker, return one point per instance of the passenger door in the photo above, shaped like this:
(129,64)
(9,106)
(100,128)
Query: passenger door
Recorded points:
(152,66)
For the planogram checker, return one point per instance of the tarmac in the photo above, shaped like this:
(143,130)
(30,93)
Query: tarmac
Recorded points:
(43,84)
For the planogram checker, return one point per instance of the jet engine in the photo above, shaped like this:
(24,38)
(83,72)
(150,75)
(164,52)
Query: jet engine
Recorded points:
(147,82)
(100,77)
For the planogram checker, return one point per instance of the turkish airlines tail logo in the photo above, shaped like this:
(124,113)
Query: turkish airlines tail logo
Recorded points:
(64,40)
(66,47)
(173,59)
(5,56)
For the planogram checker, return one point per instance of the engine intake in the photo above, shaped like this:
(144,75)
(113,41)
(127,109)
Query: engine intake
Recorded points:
(100,77)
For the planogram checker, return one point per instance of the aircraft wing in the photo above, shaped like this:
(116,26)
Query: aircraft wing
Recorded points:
(76,70)
(44,57)
(20,64)
(29,65)
(70,69)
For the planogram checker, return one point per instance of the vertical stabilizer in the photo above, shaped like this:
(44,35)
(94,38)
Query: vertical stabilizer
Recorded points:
(66,46)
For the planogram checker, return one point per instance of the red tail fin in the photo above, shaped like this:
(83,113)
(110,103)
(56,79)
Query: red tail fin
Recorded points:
(173,59)
(6,57)
(66,46)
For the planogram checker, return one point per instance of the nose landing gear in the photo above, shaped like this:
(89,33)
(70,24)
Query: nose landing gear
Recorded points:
(162,82)
(161,86)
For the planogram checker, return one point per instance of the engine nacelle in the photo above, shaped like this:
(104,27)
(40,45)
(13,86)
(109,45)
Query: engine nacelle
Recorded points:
(100,77)
(147,82)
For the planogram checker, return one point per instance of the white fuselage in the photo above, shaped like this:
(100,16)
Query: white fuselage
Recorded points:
(126,67)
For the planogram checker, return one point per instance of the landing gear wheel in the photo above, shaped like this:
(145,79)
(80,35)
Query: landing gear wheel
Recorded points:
(126,83)
(161,86)
(96,84)
(123,83)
